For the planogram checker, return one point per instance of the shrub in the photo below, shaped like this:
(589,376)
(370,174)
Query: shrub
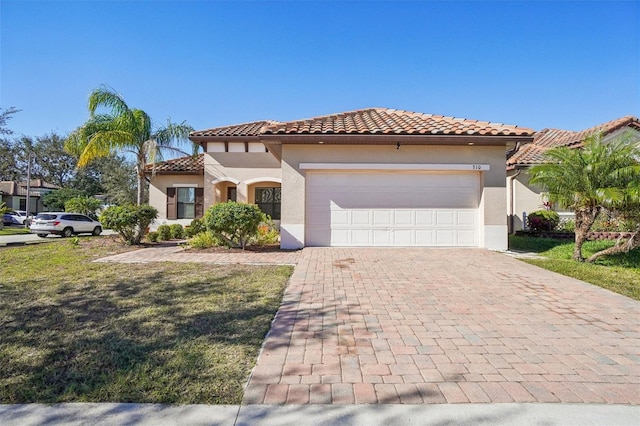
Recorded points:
(129,221)
(164,232)
(152,236)
(195,228)
(177,231)
(267,232)
(203,240)
(233,223)
(543,220)
(84,205)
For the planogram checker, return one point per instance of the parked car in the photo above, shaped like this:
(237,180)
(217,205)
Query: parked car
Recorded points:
(19,216)
(7,219)
(64,224)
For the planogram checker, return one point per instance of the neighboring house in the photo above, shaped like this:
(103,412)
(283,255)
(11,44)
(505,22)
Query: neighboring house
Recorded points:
(372,177)
(524,198)
(14,194)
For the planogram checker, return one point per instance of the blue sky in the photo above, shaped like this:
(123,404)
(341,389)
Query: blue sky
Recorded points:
(567,65)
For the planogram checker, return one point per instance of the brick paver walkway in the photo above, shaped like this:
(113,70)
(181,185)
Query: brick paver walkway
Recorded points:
(444,325)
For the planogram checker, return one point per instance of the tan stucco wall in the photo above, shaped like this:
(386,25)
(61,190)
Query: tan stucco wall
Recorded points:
(158,191)
(493,197)
(526,198)
(242,166)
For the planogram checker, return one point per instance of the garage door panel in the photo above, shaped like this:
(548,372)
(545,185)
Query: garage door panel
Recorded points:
(445,217)
(403,217)
(381,217)
(424,217)
(392,209)
(361,217)
(425,237)
(466,218)
(403,237)
(381,237)
(445,237)
(339,217)
(360,237)
(466,237)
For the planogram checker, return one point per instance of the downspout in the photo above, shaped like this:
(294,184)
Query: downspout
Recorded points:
(512,193)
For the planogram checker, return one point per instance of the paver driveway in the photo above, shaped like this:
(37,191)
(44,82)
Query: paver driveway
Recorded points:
(444,325)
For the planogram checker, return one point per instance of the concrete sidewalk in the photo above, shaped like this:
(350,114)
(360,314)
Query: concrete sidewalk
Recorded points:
(273,415)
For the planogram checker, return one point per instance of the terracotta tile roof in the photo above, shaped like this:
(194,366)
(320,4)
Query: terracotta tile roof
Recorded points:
(533,153)
(182,165)
(370,121)
(394,122)
(246,129)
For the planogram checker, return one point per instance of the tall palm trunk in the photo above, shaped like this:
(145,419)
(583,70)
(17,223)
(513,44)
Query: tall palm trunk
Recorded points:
(140,165)
(584,219)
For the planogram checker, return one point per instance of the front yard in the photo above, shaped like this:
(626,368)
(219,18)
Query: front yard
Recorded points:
(72,330)
(14,230)
(620,273)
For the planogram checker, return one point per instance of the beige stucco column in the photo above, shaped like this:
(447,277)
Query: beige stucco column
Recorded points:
(292,204)
(493,201)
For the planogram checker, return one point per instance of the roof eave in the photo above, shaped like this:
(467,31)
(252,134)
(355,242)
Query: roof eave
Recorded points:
(174,172)
(200,140)
(392,139)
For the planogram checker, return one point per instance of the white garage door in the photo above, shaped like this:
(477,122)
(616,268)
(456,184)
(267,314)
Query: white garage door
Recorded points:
(392,208)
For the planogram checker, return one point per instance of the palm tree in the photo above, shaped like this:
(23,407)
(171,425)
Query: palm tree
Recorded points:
(586,180)
(127,130)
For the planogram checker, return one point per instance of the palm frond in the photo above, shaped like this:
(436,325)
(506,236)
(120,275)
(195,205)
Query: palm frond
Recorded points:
(108,98)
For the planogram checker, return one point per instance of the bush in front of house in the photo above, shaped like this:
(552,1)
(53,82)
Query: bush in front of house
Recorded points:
(176,230)
(164,232)
(129,221)
(152,236)
(195,227)
(543,220)
(268,233)
(204,240)
(235,224)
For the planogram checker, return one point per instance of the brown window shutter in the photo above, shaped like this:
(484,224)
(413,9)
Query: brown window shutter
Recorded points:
(199,202)
(172,206)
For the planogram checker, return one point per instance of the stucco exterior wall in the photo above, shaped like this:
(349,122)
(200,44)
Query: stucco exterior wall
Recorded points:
(527,198)
(241,166)
(158,194)
(493,198)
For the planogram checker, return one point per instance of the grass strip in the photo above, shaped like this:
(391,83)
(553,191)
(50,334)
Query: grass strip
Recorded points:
(619,273)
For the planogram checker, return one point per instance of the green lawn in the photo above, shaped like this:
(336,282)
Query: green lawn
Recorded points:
(619,273)
(14,231)
(72,330)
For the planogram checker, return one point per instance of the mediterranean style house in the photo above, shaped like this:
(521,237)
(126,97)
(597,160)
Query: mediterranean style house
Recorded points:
(523,197)
(371,177)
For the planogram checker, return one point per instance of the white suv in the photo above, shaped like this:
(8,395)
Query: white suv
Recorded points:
(65,224)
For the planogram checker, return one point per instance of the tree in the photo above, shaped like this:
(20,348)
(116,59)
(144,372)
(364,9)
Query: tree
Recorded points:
(124,129)
(4,117)
(84,205)
(112,176)
(8,169)
(55,200)
(52,163)
(586,180)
